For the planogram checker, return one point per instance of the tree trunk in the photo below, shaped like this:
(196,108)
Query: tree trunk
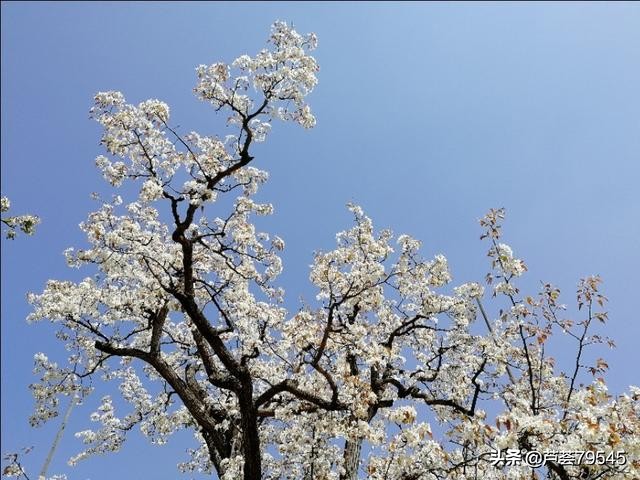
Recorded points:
(351,457)
(250,435)
(352,448)
(214,454)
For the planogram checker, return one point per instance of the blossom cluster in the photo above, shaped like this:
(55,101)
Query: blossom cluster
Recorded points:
(24,223)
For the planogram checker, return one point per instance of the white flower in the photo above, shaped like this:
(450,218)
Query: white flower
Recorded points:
(405,414)
(151,190)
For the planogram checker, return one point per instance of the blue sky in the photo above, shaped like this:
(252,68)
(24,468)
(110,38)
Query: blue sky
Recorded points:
(428,115)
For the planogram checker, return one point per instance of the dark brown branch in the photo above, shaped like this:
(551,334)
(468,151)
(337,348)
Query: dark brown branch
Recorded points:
(187,395)
(414,392)
(291,387)
(157,323)
(216,377)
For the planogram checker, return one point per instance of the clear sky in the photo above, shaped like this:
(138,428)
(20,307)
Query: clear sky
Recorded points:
(428,115)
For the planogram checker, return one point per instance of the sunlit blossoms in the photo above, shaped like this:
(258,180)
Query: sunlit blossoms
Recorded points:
(390,371)
(24,223)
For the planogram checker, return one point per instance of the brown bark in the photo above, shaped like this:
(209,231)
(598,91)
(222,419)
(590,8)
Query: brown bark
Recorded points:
(352,449)
(250,436)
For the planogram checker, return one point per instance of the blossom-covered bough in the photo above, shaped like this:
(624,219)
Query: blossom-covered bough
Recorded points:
(24,223)
(184,313)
